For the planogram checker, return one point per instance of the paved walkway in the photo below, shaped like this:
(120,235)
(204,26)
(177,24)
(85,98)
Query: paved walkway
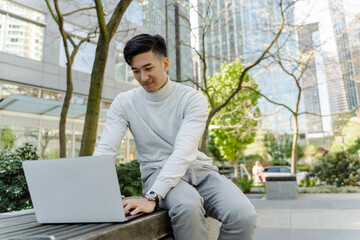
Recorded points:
(311,216)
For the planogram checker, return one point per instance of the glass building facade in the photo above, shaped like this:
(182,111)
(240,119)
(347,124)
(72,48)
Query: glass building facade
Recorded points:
(242,29)
(330,33)
(313,81)
(168,19)
(345,54)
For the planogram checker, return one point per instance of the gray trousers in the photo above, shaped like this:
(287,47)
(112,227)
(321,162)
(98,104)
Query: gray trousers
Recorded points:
(203,191)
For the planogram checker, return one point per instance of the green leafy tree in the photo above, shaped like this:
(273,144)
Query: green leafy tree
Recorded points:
(351,139)
(340,120)
(214,151)
(280,148)
(7,138)
(313,152)
(258,147)
(235,122)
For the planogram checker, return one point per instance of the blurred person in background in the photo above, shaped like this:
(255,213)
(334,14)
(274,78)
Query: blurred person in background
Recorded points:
(258,172)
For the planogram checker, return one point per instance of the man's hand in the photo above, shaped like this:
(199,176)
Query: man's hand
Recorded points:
(139,205)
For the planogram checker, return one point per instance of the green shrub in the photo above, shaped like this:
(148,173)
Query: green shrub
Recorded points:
(330,189)
(308,182)
(130,178)
(244,183)
(340,169)
(7,139)
(14,193)
(304,168)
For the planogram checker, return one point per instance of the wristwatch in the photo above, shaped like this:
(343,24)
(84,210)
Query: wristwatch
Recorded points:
(152,196)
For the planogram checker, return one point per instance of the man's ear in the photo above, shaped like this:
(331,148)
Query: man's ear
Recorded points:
(166,64)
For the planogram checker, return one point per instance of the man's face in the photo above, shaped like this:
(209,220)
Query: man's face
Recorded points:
(150,70)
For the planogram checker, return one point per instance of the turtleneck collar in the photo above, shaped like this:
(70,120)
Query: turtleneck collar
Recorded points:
(160,94)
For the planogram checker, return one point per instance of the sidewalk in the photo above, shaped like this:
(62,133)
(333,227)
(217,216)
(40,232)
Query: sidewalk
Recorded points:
(311,216)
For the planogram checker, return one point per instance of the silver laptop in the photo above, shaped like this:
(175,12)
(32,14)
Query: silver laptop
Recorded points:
(73,190)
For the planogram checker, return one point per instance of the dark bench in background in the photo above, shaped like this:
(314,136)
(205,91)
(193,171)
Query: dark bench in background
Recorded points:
(281,187)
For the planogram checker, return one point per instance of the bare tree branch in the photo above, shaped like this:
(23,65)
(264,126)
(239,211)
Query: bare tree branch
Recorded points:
(269,100)
(78,10)
(101,19)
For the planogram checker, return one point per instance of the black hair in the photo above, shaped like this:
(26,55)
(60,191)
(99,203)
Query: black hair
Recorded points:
(143,43)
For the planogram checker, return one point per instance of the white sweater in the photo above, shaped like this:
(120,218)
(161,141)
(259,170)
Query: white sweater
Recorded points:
(166,125)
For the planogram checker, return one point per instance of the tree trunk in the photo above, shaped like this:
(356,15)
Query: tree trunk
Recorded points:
(205,135)
(236,166)
(294,145)
(107,31)
(177,42)
(93,107)
(64,111)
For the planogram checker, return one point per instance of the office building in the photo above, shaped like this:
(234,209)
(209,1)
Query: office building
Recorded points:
(345,54)
(315,92)
(330,33)
(33,74)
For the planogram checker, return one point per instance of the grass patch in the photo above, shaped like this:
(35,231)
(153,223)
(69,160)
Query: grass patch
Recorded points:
(330,189)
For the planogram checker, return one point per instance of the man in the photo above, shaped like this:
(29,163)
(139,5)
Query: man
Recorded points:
(167,120)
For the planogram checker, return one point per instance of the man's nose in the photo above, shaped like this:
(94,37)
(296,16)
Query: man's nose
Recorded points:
(144,76)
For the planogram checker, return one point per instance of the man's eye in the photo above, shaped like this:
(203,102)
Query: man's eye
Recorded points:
(135,72)
(148,69)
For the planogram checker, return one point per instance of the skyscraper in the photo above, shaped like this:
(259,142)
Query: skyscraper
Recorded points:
(315,91)
(345,55)
(332,39)
(309,81)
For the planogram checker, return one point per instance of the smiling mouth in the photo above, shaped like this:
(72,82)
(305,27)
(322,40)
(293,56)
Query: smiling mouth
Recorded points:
(147,84)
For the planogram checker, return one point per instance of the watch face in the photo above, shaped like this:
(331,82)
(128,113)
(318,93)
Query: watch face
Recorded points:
(151,195)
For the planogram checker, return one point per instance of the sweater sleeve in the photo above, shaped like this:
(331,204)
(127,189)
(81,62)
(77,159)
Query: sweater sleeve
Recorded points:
(186,145)
(114,130)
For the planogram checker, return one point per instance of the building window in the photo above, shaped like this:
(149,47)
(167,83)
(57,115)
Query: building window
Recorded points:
(52,95)
(123,71)
(79,99)
(120,67)
(19,36)
(8,89)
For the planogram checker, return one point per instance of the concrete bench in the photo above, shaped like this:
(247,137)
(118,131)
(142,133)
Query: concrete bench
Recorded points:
(281,187)
(23,226)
